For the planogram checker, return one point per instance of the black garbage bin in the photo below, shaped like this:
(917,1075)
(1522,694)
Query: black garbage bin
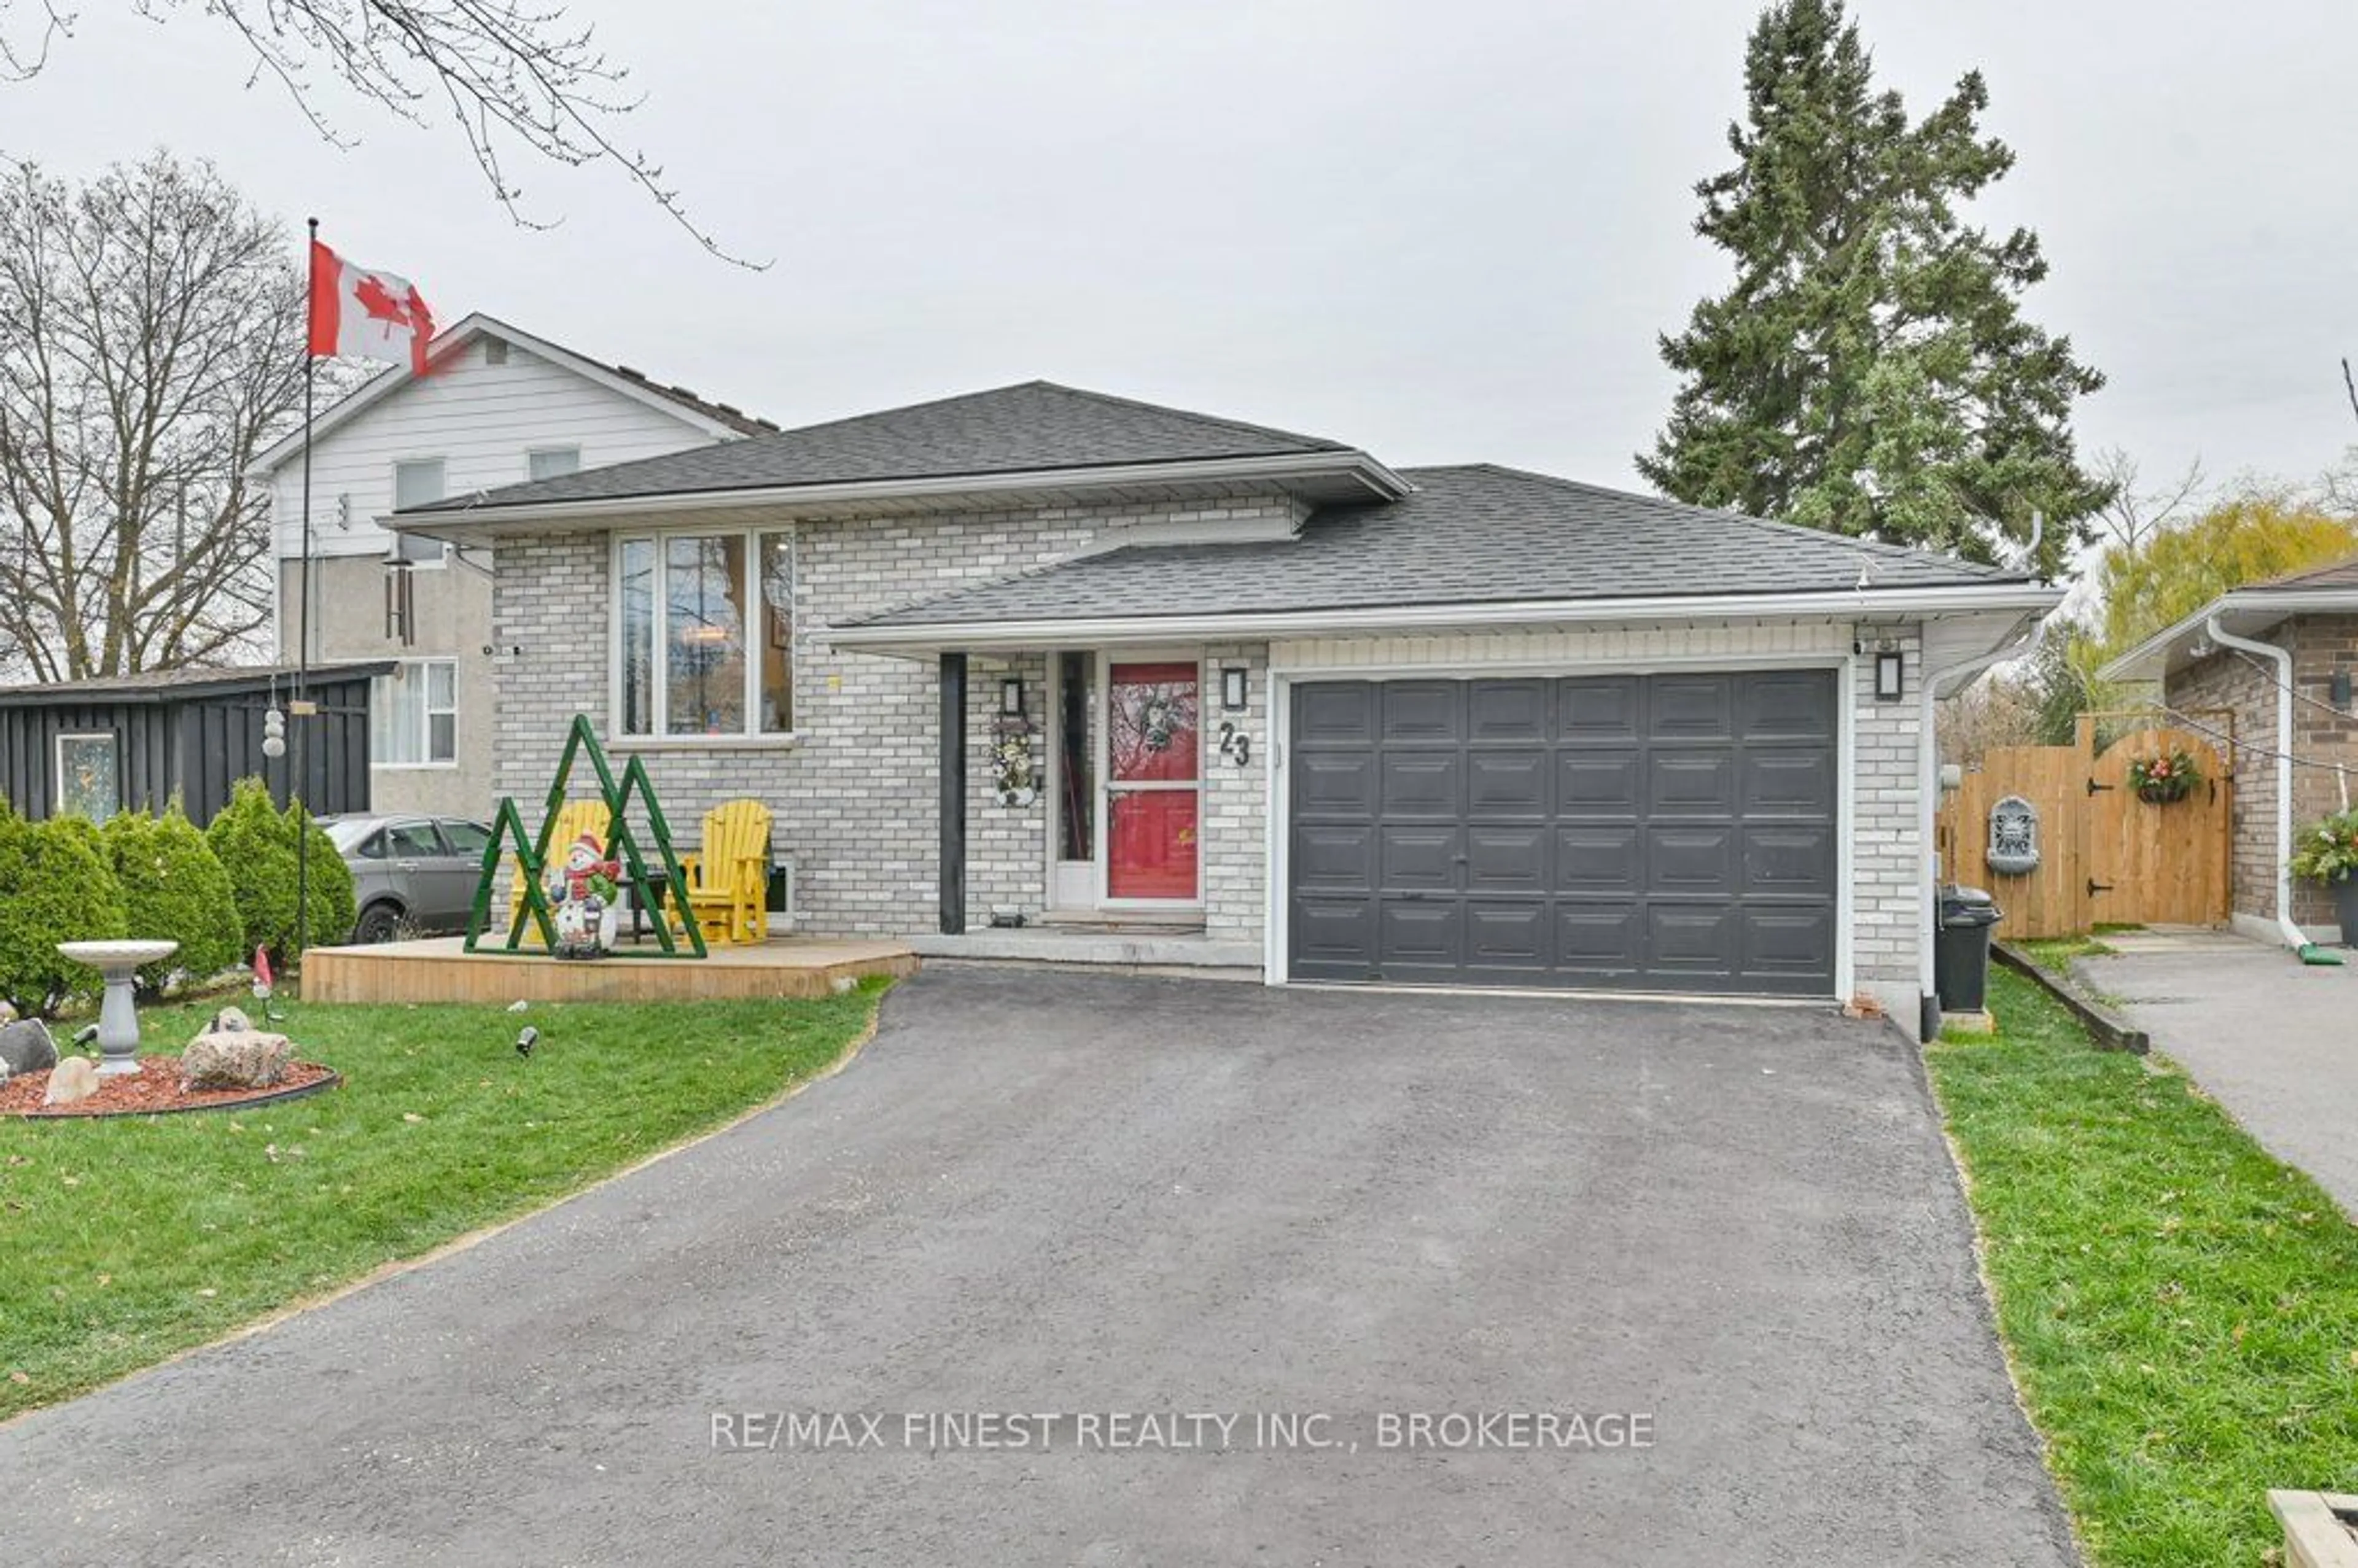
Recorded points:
(1961,954)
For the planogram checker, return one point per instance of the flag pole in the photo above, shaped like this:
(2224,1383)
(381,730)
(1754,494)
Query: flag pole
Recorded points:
(303,634)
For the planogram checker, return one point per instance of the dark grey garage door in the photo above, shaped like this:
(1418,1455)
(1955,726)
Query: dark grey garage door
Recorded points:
(1664,832)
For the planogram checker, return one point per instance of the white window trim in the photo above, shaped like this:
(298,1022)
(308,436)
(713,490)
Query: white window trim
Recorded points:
(749,739)
(394,555)
(426,713)
(58,766)
(549,448)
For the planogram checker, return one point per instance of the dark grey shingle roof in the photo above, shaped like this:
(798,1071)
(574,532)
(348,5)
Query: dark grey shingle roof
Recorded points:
(157,686)
(1034,426)
(1472,535)
(2335,574)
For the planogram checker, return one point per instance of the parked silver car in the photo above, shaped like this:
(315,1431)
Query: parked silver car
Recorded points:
(410,874)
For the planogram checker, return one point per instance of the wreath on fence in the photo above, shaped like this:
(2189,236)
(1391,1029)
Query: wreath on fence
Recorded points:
(2165,777)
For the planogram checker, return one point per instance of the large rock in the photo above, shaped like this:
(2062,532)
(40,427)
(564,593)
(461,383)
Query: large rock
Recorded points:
(74,1079)
(248,1060)
(25,1047)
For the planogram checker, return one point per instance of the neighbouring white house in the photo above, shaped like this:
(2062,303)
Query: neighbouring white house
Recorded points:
(498,406)
(1036,667)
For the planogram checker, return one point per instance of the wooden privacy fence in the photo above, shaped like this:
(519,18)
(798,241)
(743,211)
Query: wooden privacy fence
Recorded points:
(2104,855)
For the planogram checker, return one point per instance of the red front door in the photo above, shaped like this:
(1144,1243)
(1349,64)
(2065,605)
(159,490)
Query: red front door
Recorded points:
(1153,780)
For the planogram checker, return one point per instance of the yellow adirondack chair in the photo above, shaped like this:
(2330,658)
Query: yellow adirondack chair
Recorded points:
(729,876)
(574,818)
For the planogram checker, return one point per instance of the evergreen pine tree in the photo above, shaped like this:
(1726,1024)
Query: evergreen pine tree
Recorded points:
(1869,372)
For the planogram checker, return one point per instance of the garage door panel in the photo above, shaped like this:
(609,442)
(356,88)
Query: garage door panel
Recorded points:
(1599,709)
(1788,859)
(1332,937)
(1788,782)
(1425,934)
(1688,783)
(1691,708)
(1329,857)
(1696,939)
(1596,784)
(1792,943)
(1419,858)
(1422,784)
(1784,705)
(1335,783)
(1597,941)
(1669,832)
(1599,860)
(1339,712)
(1691,861)
(1423,711)
(1508,859)
(1506,710)
(1507,783)
(1502,935)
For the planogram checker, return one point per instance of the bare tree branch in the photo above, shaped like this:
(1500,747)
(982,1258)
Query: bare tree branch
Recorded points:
(505,72)
(20,62)
(151,344)
(2136,512)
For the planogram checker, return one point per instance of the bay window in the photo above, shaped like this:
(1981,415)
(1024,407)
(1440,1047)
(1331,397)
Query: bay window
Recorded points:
(705,634)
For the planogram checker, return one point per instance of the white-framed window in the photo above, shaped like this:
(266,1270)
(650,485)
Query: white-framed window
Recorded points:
(89,782)
(705,634)
(548,463)
(418,482)
(414,714)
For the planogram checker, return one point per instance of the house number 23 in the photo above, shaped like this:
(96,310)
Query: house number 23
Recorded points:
(1236,745)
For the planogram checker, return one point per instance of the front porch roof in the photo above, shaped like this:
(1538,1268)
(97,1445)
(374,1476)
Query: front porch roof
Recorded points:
(1469,546)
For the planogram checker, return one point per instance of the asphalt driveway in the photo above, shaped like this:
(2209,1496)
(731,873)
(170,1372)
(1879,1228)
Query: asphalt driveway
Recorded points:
(2270,1038)
(1086,1195)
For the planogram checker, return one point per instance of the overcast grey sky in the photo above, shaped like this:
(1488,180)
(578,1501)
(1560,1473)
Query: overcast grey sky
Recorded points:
(1444,232)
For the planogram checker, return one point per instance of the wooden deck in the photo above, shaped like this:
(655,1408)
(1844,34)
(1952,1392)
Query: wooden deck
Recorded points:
(440,969)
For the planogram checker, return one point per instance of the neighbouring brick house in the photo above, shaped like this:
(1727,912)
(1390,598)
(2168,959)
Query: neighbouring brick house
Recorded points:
(1280,705)
(2312,616)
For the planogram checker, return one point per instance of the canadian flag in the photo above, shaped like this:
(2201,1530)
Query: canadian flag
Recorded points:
(363,313)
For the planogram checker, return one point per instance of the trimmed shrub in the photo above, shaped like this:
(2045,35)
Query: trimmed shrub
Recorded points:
(254,842)
(175,888)
(60,887)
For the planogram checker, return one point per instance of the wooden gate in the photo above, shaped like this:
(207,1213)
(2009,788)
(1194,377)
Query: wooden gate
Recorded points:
(2105,856)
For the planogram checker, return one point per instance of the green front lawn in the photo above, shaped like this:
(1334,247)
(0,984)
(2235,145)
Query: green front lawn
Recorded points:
(124,1241)
(2182,1310)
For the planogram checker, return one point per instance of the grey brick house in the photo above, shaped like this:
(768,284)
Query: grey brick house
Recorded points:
(2312,619)
(1044,655)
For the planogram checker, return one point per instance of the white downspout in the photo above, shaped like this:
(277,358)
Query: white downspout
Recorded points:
(1928,790)
(2283,659)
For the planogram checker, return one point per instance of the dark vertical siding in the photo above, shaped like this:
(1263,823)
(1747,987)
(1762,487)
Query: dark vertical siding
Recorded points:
(198,748)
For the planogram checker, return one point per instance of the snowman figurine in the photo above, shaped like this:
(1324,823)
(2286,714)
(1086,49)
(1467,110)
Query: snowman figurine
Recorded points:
(582,897)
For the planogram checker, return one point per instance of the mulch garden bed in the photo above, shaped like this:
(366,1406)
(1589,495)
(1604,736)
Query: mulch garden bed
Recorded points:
(154,1090)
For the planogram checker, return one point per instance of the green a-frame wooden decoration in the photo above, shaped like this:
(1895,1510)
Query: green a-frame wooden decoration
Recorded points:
(622,844)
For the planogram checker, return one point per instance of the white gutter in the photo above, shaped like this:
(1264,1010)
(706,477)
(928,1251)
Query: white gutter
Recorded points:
(2278,604)
(1937,684)
(1842,604)
(2283,660)
(1360,469)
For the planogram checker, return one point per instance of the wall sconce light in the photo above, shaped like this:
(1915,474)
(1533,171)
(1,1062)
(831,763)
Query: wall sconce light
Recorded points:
(1889,668)
(1232,687)
(1010,696)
